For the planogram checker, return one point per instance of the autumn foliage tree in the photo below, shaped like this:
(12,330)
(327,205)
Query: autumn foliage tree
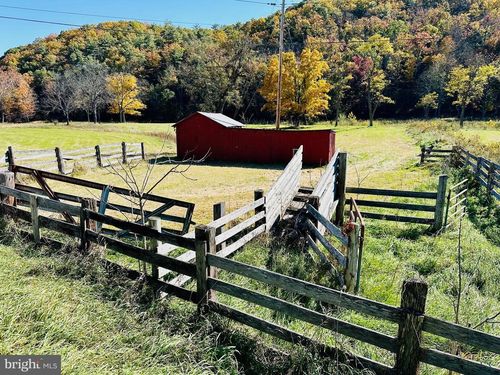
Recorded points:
(124,92)
(17,99)
(368,66)
(305,91)
(467,85)
(427,102)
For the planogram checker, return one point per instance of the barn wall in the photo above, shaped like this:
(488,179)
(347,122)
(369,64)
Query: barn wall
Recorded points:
(199,135)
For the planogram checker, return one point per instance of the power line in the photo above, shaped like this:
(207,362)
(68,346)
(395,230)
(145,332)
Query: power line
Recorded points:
(102,15)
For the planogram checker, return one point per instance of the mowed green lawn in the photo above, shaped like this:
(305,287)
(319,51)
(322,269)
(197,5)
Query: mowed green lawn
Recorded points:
(38,136)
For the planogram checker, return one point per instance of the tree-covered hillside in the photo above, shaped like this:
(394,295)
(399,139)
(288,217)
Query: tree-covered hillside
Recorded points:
(401,58)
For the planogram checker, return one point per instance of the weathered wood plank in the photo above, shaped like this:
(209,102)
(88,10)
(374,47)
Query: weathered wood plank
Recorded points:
(174,239)
(228,250)
(392,193)
(236,214)
(454,363)
(334,297)
(401,219)
(223,237)
(331,249)
(461,334)
(142,254)
(327,176)
(310,316)
(395,205)
(98,186)
(296,338)
(334,230)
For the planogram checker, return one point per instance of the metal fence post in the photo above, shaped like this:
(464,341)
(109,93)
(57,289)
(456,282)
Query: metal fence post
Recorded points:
(341,188)
(413,298)
(440,203)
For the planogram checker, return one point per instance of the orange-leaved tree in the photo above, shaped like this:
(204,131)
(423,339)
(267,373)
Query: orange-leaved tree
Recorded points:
(305,91)
(17,99)
(124,91)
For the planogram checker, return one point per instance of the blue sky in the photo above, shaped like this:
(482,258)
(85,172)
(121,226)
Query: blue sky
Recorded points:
(14,33)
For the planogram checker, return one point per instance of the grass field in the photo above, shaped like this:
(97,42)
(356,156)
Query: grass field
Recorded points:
(384,156)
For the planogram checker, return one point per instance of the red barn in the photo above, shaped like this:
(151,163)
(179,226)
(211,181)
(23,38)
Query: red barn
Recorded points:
(225,139)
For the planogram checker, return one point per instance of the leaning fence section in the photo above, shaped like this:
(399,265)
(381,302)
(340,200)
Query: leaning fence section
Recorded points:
(66,161)
(485,171)
(456,203)
(283,191)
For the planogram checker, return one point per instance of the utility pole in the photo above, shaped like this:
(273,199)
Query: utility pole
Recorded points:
(280,72)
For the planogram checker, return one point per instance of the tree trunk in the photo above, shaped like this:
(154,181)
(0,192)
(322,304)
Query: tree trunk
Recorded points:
(3,117)
(95,114)
(462,112)
(370,110)
(337,112)
(67,118)
(426,112)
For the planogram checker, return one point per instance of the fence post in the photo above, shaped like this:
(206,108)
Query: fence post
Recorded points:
(219,211)
(440,203)
(124,153)
(154,222)
(491,177)
(98,156)
(60,161)
(10,157)
(34,218)
(7,179)
(341,186)
(143,151)
(413,298)
(422,154)
(258,194)
(314,202)
(88,204)
(351,271)
(478,166)
(204,244)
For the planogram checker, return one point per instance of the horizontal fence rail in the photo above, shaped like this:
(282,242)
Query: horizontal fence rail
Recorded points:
(437,209)
(66,161)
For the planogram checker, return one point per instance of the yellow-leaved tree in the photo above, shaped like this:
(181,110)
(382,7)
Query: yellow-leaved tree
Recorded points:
(124,92)
(305,91)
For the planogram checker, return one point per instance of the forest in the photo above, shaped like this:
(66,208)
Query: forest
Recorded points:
(344,58)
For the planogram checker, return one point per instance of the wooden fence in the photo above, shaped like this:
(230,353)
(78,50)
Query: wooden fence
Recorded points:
(410,317)
(437,209)
(179,220)
(65,161)
(429,153)
(329,193)
(486,172)
(281,194)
